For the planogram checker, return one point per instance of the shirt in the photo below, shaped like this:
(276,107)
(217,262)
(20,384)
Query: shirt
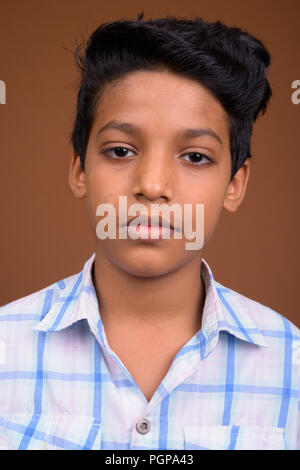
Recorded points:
(233,385)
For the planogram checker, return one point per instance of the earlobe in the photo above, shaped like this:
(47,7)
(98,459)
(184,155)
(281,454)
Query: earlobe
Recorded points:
(77,177)
(237,188)
(230,199)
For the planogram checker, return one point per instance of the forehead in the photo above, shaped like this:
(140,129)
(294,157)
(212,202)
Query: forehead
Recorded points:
(161,97)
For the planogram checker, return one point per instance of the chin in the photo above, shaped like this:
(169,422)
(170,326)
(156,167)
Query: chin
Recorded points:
(146,266)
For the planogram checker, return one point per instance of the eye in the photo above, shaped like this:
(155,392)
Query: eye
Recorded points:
(197,158)
(120,152)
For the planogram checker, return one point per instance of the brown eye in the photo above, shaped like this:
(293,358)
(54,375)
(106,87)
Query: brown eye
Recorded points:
(197,158)
(119,152)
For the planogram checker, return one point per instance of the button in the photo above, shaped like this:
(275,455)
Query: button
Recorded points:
(143,426)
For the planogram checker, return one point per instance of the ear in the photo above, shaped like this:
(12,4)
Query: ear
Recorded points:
(237,188)
(77,181)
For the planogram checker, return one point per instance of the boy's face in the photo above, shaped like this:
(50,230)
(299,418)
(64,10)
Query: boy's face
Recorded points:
(157,164)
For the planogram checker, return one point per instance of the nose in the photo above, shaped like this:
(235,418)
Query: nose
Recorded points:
(153,178)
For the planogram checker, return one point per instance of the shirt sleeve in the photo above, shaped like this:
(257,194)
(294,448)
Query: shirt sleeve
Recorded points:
(298,427)
(298,419)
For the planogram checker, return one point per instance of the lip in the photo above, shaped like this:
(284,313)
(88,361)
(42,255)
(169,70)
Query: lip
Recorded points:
(145,221)
(149,233)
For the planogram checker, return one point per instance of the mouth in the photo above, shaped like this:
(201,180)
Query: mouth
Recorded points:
(155,222)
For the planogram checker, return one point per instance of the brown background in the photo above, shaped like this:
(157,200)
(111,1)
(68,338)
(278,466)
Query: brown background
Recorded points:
(45,233)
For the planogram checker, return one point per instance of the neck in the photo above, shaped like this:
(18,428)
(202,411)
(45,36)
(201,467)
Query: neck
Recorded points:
(150,304)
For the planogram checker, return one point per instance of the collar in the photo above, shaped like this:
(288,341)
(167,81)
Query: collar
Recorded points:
(225,310)
(74,299)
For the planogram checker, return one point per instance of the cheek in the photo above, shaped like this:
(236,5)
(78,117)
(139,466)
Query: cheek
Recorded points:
(100,186)
(212,212)
(99,191)
(212,197)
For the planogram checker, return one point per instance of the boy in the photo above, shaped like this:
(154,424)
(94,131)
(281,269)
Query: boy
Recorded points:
(143,349)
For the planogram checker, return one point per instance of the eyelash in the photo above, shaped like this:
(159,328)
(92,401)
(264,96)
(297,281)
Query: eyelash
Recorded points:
(107,152)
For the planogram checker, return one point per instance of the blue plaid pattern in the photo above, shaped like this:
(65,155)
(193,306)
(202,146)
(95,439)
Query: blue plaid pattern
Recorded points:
(234,385)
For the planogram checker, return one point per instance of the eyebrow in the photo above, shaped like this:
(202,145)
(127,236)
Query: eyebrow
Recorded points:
(130,128)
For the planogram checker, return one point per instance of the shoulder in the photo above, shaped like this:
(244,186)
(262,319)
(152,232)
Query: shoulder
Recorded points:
(30,307)
(265,318)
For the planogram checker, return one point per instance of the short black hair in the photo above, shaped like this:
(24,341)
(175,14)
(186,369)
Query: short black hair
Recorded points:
(228,61)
